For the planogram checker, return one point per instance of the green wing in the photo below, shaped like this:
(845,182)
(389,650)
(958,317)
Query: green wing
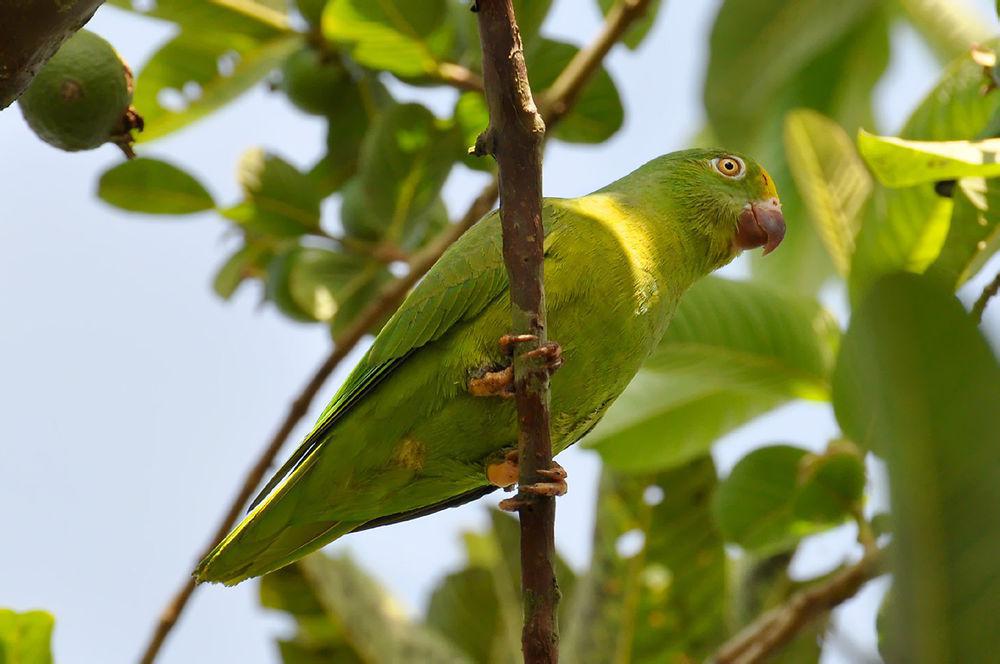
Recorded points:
(465,279)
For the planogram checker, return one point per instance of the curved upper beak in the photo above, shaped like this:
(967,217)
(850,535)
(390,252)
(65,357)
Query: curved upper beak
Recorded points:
(760,224)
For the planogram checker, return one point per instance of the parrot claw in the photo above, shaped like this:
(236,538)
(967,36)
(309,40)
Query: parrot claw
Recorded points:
(527,492)
(493,384)
(551,353)
(508,341)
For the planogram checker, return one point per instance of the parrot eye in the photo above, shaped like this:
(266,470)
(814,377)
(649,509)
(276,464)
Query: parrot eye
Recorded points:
(730,167)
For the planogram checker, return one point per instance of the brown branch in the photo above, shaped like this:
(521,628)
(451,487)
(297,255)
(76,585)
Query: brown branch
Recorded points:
(33,30)
(515,137)
(562,94)
(984,298)
(618,20)
(777,627)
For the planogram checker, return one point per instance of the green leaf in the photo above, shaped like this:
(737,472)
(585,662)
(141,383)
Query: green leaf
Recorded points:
(656,587)
(973,234)
(597,113)
(834,183)
(733,351)
(911,225)
(201,72)
(471,116)
(640,28)
(280,200)
(753,506)
(154,187)
(247,17)
(757,48)
(917,383)
(404,162)
(465,609)
(530,15)
(948,27)
(830,485)
(248,261)
(897,162)
(25,637)
(311,284)
(386,34)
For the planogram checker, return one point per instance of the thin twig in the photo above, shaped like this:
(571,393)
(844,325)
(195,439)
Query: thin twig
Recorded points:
(777,627)
(984,298)
(515,137)
(557,101)
(616,23)
(460,77)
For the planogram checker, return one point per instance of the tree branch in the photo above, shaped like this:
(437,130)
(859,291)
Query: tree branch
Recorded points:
(777,627)
(33,30)
(556,102)
(460,77)
(616,23)
(515,137)
(984,298)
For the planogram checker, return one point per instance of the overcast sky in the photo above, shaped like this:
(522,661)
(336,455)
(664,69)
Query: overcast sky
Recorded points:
(132,399)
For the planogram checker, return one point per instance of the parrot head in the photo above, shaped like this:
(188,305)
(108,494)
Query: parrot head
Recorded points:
(741,209)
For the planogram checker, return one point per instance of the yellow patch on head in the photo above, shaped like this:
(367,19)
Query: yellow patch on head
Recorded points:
(410,453)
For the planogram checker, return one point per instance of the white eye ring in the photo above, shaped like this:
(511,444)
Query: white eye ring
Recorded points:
(730,167)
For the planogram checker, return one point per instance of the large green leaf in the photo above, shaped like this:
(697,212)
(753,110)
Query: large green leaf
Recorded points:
(733,351)
(154,187)
(464,607)
(25,637)
(897,162)
(280,200)
(247,17)
(831,178)
(949,27)
(911,224)
(656,588)
(387,34)
(776,495)
(405,160)
(973,234)
(249,261)
(597,113)
(917,383)
(196,73)
(757,48)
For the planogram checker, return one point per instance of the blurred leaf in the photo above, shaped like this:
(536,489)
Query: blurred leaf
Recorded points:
(949,27)
(311,284)
(639,29)
(972,234)
(281,201)
(247,17)
(830,485)
(758,506)
(918,384)
(25,637)
(597,113)
(472,117)
(734,350)
(404,162)
(530,16)
(154,187)
(372,621)
(911,224)
(386,34)
(250,260)
(897,162)
(464,608)
(831,177)
(196,73)
(758,47)
(656,588)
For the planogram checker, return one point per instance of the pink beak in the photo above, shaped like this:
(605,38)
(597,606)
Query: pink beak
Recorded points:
(760,224)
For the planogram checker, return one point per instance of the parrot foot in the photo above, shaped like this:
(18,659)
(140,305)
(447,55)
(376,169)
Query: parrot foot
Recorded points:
(557,486)
(550,351)
(493,384)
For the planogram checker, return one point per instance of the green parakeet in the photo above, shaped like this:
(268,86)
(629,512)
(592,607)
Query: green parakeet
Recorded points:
(411,432)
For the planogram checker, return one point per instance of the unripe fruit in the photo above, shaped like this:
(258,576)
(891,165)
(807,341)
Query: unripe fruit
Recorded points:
(314,85)
(80,99)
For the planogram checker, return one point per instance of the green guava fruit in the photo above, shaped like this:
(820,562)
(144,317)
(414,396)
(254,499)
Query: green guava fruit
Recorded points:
(313,83)
(81,97)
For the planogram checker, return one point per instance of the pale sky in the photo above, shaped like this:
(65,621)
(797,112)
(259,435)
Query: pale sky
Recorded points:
(132,399)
